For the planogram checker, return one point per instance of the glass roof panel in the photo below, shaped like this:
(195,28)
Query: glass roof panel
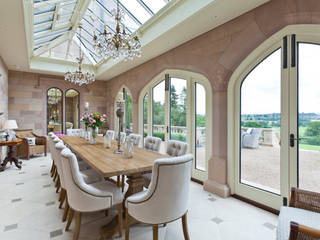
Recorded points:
(52,19)
(42,18)
(137,9)
(155,6)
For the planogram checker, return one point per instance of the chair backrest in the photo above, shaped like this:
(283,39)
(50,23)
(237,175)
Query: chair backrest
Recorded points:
(110,133)
(152,143)
(176,148)
(50,137)
(58,148)
(135,138)
(55,140)
(168,193)
(75,132)
(69,125)
(24,133)
(80,194)
(122,137)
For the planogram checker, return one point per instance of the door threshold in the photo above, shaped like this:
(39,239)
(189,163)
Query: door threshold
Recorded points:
(256,204)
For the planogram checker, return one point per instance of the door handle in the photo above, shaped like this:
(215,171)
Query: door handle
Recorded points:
(292,139)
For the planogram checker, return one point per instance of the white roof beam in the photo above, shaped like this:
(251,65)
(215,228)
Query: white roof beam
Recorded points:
(51,2)
(55,16)
(129,13)
(52,44)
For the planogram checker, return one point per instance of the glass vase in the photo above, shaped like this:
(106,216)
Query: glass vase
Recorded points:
(128,148)
(94,133)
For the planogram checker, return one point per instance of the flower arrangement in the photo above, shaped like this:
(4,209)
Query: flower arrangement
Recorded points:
(128,131)
(94,120)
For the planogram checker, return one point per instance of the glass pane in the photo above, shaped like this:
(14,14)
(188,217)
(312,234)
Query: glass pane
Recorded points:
(260,125)
(145,115)
(128,116)
(137,10)
(72,109)
(200,117)
(155,6)
(309,116)
(42,18)
(178,109)
(42,27)
(54,110)
(158,111)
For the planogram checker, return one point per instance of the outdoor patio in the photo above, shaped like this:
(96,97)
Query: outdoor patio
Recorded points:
(261,167)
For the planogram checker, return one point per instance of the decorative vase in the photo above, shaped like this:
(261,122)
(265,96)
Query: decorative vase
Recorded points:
(94,133)
(107,141)
(128,148)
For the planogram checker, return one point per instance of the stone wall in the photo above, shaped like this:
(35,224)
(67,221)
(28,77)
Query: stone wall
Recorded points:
(3,99)
(28,98)
(216,54)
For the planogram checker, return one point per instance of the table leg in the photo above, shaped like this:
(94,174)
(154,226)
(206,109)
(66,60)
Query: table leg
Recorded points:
(3,165)
(136,183)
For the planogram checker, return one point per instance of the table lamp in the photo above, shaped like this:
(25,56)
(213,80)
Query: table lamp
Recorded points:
(9,125)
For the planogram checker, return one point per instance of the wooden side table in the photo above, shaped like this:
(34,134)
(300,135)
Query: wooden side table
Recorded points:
(11,157)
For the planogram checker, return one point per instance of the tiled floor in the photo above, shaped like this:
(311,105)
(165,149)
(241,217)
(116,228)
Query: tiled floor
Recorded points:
(29,210)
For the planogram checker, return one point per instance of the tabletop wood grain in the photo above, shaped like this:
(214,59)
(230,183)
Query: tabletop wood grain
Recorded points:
(106,162)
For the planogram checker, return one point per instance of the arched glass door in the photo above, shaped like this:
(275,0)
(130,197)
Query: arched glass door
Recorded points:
(279,123)
(178,111)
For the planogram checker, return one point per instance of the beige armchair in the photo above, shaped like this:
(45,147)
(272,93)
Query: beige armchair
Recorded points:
(26,150)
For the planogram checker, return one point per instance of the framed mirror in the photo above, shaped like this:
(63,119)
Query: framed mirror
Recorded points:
(54,110)
(72,111)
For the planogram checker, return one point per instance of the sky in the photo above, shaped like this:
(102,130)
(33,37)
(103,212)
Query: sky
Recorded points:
(261,88)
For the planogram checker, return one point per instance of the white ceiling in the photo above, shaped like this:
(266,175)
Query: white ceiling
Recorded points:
(185,21)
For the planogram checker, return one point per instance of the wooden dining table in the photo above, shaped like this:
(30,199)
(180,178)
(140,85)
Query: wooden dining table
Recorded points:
(108,164)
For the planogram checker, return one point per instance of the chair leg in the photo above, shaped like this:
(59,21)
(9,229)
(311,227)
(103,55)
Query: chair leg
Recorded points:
(77,226)
(53,169)
(127,224)
(70,217)
(65,213)
(63,197)
(52,166)
(120,219)
(155,232)
(122,182)
(118,181)
(55,175)
(185,227)
(58,185)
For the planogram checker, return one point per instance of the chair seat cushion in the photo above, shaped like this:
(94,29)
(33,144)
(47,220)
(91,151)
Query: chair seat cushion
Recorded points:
(301,216)
(106,186)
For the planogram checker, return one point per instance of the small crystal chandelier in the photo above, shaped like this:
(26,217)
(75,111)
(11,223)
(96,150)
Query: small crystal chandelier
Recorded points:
(79,77)
(118,44)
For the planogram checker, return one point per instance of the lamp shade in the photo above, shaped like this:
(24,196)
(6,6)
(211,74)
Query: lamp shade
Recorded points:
(9,124)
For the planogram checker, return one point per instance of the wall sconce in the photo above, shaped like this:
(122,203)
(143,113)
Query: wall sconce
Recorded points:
(86,106)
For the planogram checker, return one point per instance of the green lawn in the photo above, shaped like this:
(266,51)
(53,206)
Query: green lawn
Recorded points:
(309,147)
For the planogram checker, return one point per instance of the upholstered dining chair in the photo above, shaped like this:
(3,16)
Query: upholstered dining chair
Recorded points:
(122,137)
(83,197)
(166,199)
(75,132)
(110,133)
(135,138)
(176,148)
(152,143)
(89,176)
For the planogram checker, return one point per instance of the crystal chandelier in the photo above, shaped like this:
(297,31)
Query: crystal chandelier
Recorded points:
(118,44)
(79,77)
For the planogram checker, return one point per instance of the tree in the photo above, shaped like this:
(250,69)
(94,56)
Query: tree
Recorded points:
(313,129)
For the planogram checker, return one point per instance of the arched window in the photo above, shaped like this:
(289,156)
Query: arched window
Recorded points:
(175,105)
(124,96)
(72,101)
(54,110)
